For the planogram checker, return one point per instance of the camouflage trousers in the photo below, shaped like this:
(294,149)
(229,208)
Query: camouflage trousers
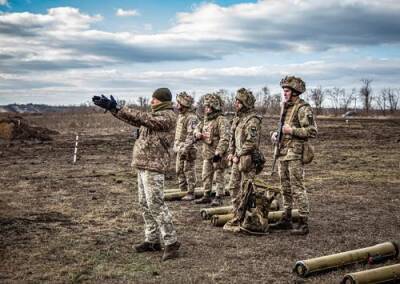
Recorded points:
(236,182)
(212,171)
(157,218)
(186,174)
(291,175)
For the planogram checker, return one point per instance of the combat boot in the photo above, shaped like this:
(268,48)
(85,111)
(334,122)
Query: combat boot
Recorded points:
(217,201)
(171,251)
(302,227)
(189,197)
(232,226)
(285,223)
(205,199)
(146,246)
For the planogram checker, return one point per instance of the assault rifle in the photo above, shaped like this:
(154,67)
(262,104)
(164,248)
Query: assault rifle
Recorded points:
(247,200)
(279,136)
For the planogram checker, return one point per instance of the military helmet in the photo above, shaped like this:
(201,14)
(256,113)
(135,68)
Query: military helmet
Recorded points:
(184,99)
(214,101)
(246,97)
(294,83)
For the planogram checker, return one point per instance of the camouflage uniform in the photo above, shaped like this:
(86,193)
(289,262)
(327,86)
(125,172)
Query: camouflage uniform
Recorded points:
(291,168)
(245,130)
(184,144)
(245,139)
(299,116)
(214,130)
(151,158)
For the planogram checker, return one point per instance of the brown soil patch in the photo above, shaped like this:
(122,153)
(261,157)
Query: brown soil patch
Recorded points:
(17,128)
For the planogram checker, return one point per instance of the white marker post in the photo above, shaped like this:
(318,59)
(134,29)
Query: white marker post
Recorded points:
(76,148)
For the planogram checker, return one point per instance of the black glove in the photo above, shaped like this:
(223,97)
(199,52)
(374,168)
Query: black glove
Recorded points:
(104,102)
(216,158)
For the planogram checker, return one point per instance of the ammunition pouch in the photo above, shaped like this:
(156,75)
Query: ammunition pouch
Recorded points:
(258,160)
(245,163)
(308,153)
(221,164)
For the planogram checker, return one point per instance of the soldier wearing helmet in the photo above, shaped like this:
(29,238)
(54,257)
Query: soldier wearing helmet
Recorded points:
(184,145)
(213,131)
(243,149)
(299,126)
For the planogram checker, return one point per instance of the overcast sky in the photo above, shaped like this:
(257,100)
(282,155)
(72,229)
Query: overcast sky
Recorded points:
(64,52)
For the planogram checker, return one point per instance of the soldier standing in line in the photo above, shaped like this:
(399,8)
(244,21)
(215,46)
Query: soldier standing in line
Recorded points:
(151,159)
(214,132)
(243,146)
(184,145)
(299,126)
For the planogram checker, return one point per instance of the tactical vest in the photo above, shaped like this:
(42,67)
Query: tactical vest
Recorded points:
(182,126)
(293,147)
(292,119)
(212,136)
(211,131)
(238,131)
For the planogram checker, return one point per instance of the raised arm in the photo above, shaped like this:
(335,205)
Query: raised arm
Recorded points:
(153,121)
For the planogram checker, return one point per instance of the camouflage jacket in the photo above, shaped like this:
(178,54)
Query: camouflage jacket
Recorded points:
(215,132)
(245,134)
(299,116)
(151,149)
(184,138)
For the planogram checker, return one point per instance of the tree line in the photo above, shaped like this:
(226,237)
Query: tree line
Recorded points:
(325,101)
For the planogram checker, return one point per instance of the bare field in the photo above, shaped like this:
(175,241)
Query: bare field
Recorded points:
(65,223)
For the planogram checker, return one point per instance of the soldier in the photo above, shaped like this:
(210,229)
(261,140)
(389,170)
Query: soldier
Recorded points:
(151,159)
(243,146)
(184,145)
(299,126)
(214,132)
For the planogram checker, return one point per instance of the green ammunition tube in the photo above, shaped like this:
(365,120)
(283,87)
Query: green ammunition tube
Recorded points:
(376,275)
(206,213)
(173,196)
(306,267)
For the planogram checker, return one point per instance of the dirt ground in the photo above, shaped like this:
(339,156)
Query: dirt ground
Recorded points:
(65,223)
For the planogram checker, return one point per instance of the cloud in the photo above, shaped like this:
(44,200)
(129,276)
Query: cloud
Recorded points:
(294,25)
(126,13)
(129,85)
(45,52)
(3,2)
(57,19)
(208,32)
